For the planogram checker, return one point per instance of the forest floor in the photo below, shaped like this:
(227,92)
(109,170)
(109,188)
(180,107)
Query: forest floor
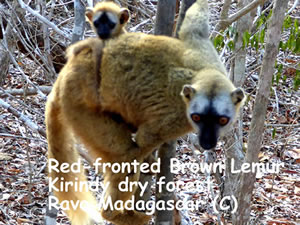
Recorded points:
(23,154)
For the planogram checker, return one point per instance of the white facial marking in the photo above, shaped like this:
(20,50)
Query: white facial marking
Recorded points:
(112,17)
(223,105)
(198,104)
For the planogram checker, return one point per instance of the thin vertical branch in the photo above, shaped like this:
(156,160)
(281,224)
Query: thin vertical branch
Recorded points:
(223,16)
(185,4)
(165,153)
(164,26)
(79,23)
(260,109)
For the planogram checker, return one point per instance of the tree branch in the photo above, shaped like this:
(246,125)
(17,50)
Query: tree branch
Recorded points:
(223,16)
(22,117)
(259,110)
(43,19)
(26,92)
(293,7)
(224,23)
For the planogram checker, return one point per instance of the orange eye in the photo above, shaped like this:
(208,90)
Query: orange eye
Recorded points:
(223,120)
(196,117)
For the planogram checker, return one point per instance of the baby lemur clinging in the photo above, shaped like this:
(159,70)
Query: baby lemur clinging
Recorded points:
(107,19)
(162,86)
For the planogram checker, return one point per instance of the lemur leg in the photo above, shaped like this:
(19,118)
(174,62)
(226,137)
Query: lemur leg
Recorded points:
(103,135)
(113,194)
(111,140)
(154,133)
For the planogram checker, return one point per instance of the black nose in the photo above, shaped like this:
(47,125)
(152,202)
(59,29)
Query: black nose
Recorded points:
(208,139)
(104,35)
(208,145)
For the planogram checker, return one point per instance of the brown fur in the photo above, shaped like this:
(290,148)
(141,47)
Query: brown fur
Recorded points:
(142,77)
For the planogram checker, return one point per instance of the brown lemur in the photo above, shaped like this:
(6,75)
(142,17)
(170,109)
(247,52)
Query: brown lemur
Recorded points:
(107,19)
(162,86)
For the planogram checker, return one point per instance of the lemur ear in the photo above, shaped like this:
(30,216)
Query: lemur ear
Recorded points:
(89,13)
(188,92)
(124,15)
(237,96)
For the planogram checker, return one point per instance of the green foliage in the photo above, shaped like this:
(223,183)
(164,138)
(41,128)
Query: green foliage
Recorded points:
(287,22)
(279,72)
(273,133)
(262,36)
(297,80)
(246,39)
(231,45)
(257,40)
(218,42)
(292,44)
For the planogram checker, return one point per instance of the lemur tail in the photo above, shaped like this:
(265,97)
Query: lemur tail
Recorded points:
(80,205)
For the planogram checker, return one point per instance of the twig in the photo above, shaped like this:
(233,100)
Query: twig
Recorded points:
(28,153)
(226,22)
(21,137)
(34,127)
(26,40)
(3,93)
(4,43)
(282,125)
(276,99)
(24,118)
(223,16)
(293,7)
(46,37)
(43,19)
(288,104)
(134,29)
(25,77)
(25,92)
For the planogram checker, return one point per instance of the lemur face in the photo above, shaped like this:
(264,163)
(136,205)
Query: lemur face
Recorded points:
(211,115)
(107,19)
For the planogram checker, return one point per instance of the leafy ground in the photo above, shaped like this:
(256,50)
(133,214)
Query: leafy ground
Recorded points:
(23,152)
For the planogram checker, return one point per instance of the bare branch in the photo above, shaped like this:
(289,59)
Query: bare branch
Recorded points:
(22,117)
(293,7)
(43,19)
(223,24)
(259,110)
(21,137)
(26,92)
(282,125)
(223,16)
(26,77)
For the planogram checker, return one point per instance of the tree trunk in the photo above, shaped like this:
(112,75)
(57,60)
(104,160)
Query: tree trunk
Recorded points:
(79,23)
(164,26)
(234,138)
(165,153)
(260,109)
(165,17)
(185,4)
